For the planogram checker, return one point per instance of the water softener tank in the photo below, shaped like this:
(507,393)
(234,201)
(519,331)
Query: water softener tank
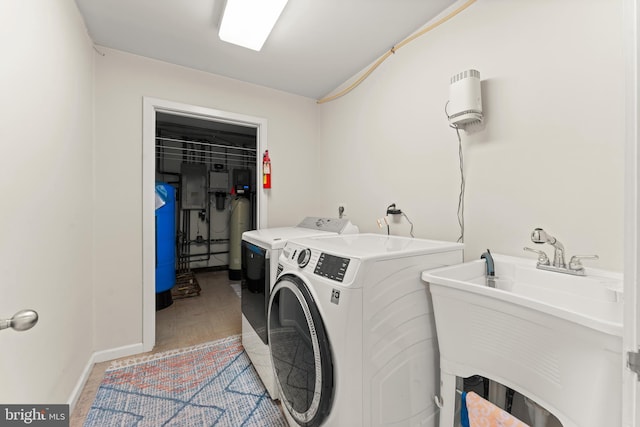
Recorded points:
(165,244)
(240,222)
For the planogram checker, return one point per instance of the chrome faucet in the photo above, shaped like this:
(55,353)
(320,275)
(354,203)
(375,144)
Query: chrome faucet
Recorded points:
(540,236)
(575,266)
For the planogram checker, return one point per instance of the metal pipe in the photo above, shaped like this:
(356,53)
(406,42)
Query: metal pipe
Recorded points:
(204,254)
(208,221)
(213,241)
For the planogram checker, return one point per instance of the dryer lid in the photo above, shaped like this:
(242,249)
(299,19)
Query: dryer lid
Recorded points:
(334,225)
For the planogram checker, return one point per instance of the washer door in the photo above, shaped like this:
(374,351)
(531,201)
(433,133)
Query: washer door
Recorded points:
(300,352)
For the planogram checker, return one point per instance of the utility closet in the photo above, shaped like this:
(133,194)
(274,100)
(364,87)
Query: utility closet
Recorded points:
(212,166)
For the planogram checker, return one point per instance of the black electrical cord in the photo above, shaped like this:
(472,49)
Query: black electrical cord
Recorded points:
(409,221)
(390,209)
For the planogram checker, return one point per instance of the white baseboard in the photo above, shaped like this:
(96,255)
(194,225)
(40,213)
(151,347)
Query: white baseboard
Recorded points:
(77,390)
(97,357)
(118,352)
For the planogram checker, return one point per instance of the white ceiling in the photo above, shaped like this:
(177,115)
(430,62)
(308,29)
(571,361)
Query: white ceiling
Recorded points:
(316,45)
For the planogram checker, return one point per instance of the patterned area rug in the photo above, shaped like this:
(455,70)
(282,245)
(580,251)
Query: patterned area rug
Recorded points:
(212,384)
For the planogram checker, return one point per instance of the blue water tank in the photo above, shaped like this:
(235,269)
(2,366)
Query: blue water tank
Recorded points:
(165,237)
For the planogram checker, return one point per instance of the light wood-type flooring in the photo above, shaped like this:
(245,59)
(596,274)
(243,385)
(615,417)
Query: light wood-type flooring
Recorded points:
(212,315)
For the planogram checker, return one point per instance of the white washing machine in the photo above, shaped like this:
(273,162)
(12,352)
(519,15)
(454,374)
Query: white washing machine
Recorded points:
(351,330)
(260,250)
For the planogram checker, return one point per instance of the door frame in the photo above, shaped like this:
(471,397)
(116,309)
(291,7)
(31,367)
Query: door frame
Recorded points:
(631,338)
(149,109)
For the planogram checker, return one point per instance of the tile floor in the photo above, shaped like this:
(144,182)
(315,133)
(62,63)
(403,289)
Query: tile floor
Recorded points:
(214,314)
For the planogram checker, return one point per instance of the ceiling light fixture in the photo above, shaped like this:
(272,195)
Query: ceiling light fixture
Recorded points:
(248,23)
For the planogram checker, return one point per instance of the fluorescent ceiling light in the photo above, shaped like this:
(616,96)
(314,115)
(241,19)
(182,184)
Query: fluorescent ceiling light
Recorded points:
(248,22)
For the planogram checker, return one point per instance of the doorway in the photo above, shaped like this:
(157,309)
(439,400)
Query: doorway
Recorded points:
(213,145)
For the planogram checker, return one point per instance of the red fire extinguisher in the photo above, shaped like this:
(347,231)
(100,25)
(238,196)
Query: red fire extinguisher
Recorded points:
(266,170)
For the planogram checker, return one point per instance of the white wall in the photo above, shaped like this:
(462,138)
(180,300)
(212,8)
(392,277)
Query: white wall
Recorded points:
(46,105)
(121,82)
(551,153)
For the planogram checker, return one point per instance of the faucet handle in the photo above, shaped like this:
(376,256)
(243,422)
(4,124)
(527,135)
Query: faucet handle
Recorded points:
(575,264)
(543,259)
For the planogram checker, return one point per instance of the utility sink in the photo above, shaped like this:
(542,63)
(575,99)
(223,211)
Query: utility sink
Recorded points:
(594,300)
(555,338)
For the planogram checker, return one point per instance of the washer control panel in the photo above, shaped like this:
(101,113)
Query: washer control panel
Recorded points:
(313,261)
(331,266)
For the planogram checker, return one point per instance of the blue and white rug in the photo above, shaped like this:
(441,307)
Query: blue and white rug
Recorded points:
(212,384)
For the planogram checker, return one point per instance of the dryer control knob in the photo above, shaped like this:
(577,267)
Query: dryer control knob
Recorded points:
(304,257)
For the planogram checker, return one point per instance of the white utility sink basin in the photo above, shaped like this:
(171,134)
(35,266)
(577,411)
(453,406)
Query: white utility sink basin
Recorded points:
(555,338)
(594,300)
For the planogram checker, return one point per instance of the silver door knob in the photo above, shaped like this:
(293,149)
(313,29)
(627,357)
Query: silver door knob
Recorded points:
(21,321)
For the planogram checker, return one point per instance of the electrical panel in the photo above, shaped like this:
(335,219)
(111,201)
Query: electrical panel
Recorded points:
(193,183)
(219,180)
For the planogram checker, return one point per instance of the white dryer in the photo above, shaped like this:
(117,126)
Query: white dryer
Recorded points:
(351,330)
(260,250)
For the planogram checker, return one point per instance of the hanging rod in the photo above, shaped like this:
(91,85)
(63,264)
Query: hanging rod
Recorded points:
(172,156)
(208,144)
(195,150)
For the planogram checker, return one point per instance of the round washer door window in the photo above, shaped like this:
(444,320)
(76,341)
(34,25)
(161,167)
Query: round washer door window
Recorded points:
(300,352)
